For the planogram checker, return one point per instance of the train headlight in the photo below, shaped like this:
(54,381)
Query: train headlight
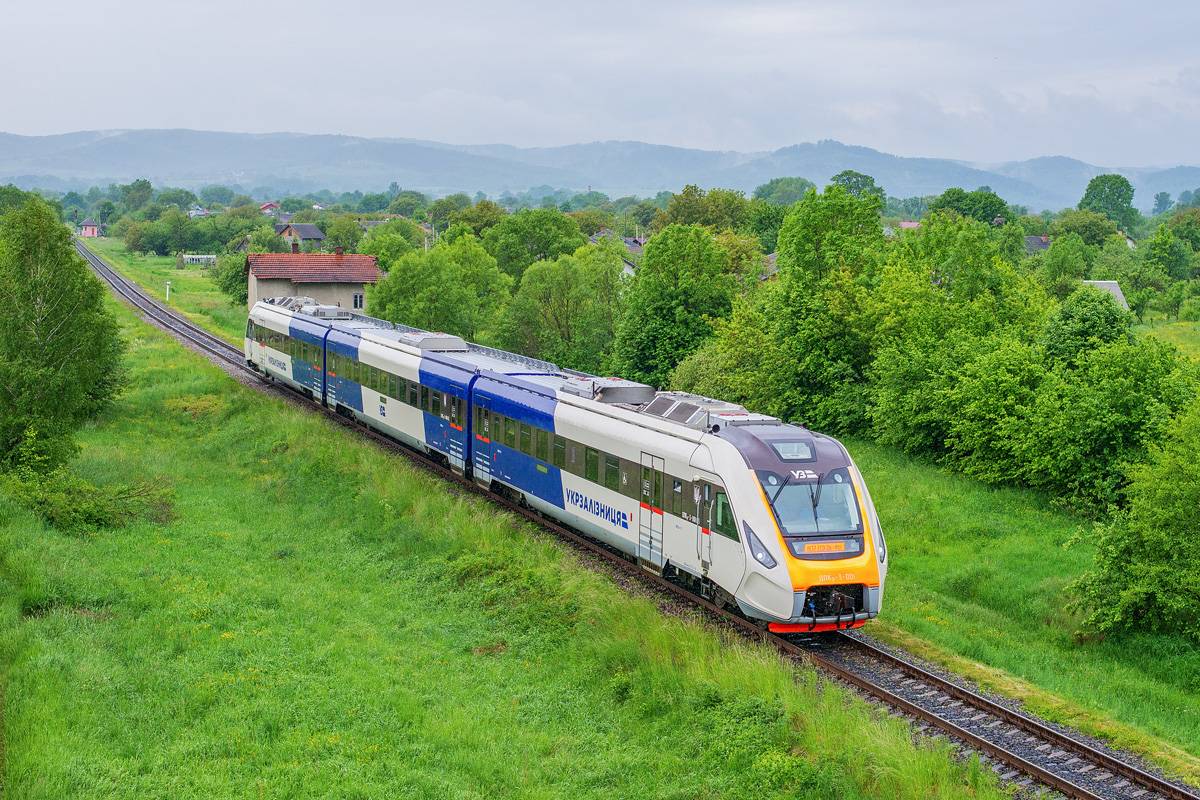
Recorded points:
(757,549)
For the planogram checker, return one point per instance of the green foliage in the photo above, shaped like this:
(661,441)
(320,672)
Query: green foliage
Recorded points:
(217,195)
(682,283)
(716,208)
(136,194)
(764,221)
(344,232)
(981,204)
(479,217)
(408,203)
(1064,265)
(1087,318)
(591,220)
(456,287)
(60,353)
(440,210)
(1091,226)
(1146,575)
(1162,203)
(1169,254)
(827,231)
(230,276)
(858,184)
(1185,224)
(1112,196)
(532,235)
(783,191)
(389,241)
(567,310)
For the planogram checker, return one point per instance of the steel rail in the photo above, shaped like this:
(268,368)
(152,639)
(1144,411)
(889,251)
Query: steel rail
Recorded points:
(1140,784)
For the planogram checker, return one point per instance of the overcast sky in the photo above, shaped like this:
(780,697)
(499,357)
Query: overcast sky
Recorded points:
(1115,84)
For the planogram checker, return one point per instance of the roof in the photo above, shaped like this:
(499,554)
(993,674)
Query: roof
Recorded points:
(305,230)
(1113,288)
(909,224)
(315,267)
(89,222)
(1036,244)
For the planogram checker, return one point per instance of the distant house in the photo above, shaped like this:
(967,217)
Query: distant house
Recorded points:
(89,228)
(299,232)
(270,207)
(632,244)
(318,207)
(1113,288)
(909,224)
(1036,244)
(337,279)
(197,211)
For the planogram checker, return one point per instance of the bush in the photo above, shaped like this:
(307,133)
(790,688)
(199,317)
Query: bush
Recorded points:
(230,277)
(1146,574)
(1088,317)
(74,505)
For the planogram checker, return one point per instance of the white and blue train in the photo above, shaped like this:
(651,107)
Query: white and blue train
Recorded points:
(764,516)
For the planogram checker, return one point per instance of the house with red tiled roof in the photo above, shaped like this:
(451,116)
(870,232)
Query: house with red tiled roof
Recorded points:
(335,279)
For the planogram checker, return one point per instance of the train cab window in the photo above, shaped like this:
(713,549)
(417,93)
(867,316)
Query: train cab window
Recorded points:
(612,472)
(542,448)
(510,432)
(526,439)
(723,521)
(591,465)
(676,497)
(560,452)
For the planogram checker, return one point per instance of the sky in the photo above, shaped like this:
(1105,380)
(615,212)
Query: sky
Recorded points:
(1115,84)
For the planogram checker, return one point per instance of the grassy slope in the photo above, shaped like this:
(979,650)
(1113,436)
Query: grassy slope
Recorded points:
(1002,611)
(321,619)
(1181,333)
(192,291)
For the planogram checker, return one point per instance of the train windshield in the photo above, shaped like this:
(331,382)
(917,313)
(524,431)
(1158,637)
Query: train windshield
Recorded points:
(814,504)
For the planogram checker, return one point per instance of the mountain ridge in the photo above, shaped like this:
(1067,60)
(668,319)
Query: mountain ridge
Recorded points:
(283,162)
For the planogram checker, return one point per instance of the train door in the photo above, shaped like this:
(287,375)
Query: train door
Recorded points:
(482,446)
(650,515)
(701,500)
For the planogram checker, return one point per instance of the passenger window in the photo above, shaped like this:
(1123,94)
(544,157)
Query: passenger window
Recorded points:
(526,439)
(510,432)
(591,465)
(424,398)
(612,472)
(658,489)
(414,399)
(560,451)
(723,521)
(543,444)
(676,497)
(435,403)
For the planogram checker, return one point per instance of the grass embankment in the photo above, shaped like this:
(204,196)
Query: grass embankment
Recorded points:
(978,582)
(192,290)
(1181,333)
(321,619)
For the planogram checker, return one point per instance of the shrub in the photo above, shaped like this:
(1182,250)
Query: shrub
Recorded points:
(74,505)
(1086,318)
(1146,575)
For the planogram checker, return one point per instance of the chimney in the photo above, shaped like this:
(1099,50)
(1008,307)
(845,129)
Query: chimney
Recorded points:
(339,250)
(295,247)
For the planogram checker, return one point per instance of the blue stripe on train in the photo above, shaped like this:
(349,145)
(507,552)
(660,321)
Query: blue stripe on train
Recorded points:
(525,472)
(512,398)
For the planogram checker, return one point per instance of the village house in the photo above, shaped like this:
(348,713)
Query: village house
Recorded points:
(300,233)
(89,229)
(270,208)
(336,279)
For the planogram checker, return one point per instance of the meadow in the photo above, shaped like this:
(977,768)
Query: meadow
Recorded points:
(978,582)
(319,618)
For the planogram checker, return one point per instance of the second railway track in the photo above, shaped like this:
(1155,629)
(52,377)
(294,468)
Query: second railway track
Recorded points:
(1025,750)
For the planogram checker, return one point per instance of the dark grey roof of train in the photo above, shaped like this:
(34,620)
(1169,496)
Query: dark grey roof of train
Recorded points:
(753,441)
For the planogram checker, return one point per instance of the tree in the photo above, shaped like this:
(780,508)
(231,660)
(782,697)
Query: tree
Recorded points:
(1091,226)
(1162,203)
(263,239)
(1086,319)
(230,277)
(858,184)
(591,220)
(105,211)
(480,216)
(532,235)
(372,203)
(1146,573)
(136,194)
(1064,265)
(439,211)
(827,230)
(1185,224)
(1112,196)
(180,198)
(717,208)
(783,191)
(682,283)
(981,204)
(60,349)
(217,195)
(1170,254)
(764,221)
(566,310)
(407,203)
(456,287)
(343,232)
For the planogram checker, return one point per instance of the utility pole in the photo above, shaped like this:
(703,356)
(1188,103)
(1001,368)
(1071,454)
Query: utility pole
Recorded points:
(168,291)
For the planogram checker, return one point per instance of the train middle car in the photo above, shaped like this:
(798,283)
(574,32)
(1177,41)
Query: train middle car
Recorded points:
(769,517)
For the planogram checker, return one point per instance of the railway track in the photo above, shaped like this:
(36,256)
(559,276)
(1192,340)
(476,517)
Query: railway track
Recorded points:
(1022,750)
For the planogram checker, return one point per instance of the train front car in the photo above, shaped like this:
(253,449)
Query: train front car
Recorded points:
(819,556)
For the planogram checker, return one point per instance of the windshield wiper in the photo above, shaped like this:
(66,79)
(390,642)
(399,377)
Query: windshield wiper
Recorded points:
(816,499)
(779,491)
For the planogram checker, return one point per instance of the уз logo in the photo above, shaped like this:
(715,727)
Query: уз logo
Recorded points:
(612,516)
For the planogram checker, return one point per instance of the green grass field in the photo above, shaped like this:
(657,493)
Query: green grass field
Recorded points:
(1181,333)
(320,619)
(977,582)
(192,291)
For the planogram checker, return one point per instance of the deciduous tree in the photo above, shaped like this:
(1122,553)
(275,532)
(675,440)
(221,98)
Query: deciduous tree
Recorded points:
(1112,196)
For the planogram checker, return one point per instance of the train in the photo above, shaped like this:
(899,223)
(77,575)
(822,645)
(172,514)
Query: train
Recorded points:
(767,518)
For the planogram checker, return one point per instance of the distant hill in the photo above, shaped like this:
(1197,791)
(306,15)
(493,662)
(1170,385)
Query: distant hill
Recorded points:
(278,163)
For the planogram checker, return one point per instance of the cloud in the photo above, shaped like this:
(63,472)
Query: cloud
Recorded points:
(972,81)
